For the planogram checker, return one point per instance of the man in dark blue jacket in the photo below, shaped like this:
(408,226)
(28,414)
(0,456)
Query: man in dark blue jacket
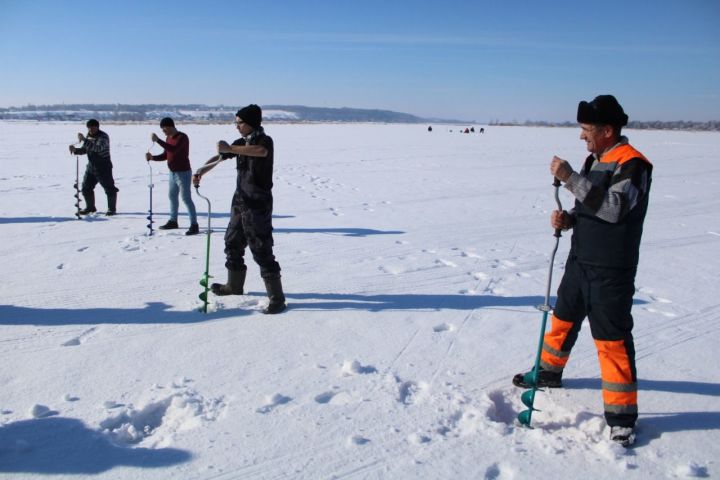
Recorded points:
(611,198)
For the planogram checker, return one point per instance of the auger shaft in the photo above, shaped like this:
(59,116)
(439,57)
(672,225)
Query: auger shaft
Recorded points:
(532,378)
(205,280)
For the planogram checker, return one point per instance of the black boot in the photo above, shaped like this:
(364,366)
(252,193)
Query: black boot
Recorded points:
(234,285)
(545,379)
(112,204)
(273,286)
(193,230)
(89,203)
(170,225)
(625,436)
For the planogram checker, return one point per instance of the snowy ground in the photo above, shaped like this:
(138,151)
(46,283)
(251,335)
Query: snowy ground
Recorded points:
(412,263)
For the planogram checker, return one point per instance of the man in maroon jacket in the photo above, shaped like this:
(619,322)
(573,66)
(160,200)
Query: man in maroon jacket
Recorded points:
(177,149)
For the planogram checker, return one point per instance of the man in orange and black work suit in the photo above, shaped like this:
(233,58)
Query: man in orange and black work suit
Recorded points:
(611,198)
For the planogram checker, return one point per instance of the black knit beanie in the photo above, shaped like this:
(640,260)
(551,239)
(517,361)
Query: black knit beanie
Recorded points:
(252,115)
(167,122)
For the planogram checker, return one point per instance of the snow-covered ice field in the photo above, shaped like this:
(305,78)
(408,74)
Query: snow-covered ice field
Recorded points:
(412,262)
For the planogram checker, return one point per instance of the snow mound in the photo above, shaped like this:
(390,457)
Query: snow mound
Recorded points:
(159,420)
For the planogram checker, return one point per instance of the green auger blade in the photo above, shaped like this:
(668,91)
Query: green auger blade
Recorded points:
(205,280)
(203,297)
(524,417)
(531,378)
(528,398)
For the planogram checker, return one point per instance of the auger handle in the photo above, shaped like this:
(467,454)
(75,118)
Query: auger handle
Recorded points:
(556,184)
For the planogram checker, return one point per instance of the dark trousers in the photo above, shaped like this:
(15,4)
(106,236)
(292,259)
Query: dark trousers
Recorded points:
(99,173)
(605,296)
(250,227)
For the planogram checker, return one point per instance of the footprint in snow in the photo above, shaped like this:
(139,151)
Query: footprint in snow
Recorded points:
(333,398)
(443,327)
(498,471)
(410,393)
(358,440)
(82,249)
(418,439)
(80,339)
(42,411)
(350,368)
(272,402)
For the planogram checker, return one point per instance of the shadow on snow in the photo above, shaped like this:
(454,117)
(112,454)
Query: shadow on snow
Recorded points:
(101,217)
(652,425)
(154,312)
(346,232)
(375,303)
(158,312)
(9,220)
(66,446)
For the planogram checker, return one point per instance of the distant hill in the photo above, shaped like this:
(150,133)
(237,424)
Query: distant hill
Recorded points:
(205,113)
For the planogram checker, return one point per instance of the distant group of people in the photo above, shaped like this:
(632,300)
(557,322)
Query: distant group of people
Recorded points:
(611,193)
(251,210)
(467,130)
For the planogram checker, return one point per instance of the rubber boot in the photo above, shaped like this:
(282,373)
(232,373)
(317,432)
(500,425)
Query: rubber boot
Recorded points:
(112,204)
(234,285)
(274,289)
(89,203)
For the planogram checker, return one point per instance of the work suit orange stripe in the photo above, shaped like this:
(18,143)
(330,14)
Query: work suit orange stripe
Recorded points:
(554,339)
(615,368)
(619,398)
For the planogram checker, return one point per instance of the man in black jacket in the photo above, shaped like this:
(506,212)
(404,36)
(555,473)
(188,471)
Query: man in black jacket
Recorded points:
(611,198)
(99,168)
(251,210)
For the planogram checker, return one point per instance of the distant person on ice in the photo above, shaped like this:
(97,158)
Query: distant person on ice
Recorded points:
(177,150)
(251,209)
(611,199)
(99,167)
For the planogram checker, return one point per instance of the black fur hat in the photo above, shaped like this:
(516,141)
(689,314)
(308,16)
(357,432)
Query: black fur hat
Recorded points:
(603,110)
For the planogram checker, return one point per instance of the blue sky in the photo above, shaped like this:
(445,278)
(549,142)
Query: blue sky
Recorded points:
(472,60)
